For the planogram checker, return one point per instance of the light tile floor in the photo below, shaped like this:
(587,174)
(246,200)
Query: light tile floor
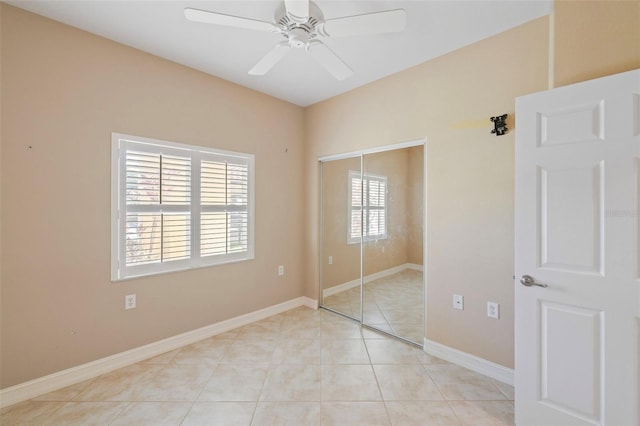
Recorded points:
(302,367)
(394,304)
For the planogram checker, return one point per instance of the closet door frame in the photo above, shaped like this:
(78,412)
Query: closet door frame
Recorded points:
(361,154)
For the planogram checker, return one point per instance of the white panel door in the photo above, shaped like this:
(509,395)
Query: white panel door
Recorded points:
(577,232)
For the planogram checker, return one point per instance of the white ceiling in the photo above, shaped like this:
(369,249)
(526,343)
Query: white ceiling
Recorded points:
(159,27)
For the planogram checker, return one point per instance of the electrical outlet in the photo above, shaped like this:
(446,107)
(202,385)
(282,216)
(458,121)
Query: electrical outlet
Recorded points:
(493,310)
(330,260)
(281,270)
(458,302)
(130,301)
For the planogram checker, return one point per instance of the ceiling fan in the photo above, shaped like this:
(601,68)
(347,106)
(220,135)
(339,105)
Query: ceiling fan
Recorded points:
(302,24)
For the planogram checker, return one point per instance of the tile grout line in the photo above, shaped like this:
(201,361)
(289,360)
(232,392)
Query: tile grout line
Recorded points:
(213,372)
(172,361)
(443,397)
(129,403)
(449,401)
(266,376)
(384,401)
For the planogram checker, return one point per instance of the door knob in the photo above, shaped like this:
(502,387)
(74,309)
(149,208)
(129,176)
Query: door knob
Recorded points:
(528,280)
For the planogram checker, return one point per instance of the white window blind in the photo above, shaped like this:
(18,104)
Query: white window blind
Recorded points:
(177,206)
(367,207)
(224,195)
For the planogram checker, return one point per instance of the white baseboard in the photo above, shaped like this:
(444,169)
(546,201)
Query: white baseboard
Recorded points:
(414,266)
(472,362)
(367,279)
(40,386)
(340,288)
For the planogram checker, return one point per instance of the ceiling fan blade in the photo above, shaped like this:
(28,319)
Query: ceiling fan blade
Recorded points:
(207,17)
(329,60)
(298,10)
(390,21)
(270,59)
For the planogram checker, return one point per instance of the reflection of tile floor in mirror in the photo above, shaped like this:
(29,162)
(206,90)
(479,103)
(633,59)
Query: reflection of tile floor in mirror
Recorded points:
(394,304)
(302,367)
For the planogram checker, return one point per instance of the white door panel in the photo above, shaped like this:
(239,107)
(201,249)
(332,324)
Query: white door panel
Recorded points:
(577,231)
(570,332)
(578,123)
(570,230)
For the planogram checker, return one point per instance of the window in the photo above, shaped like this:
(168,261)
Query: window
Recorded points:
(177,206)
(367,207)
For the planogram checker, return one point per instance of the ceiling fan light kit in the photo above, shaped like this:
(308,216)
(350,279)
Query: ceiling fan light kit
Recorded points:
(302,24)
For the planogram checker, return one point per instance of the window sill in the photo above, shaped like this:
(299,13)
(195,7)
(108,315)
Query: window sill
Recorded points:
(180,269)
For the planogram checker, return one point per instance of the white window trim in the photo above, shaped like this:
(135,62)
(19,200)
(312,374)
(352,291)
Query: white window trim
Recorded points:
(367,238)
(118,192)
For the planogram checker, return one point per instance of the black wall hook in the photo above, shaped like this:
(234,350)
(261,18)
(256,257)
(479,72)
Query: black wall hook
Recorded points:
(499,124)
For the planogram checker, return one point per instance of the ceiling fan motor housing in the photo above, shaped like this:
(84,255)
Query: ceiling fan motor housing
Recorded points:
(298,37)
(299,32)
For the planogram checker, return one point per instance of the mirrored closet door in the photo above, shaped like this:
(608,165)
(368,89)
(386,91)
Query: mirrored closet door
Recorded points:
(372,239)
(340,269)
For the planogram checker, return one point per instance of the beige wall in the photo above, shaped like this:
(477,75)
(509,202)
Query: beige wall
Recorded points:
(469,172)
(595,38)
(404,226)
(64,92)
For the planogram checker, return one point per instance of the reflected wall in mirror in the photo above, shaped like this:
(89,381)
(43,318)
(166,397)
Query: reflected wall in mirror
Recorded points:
(372,240)
(393,281)
(340,262)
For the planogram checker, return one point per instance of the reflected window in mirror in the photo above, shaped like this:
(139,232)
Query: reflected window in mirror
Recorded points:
(367,207)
